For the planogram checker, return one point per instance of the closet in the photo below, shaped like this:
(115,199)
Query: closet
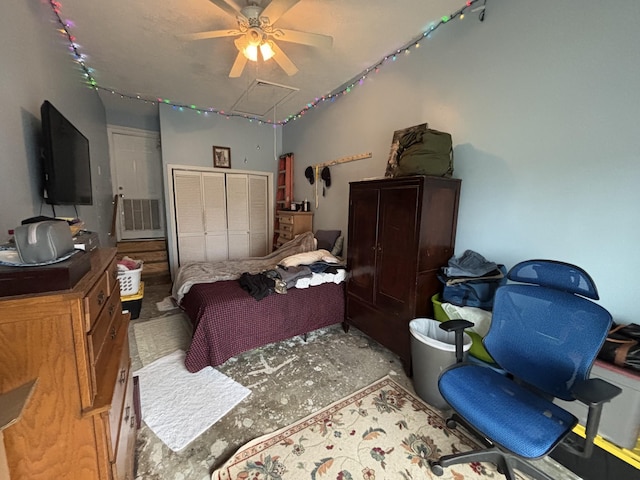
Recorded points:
(401,231)
(220,216)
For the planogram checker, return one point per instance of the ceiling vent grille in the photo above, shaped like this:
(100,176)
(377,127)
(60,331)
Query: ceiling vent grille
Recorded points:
(261,97)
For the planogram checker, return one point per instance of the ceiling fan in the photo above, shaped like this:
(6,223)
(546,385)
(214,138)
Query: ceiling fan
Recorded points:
(256,33)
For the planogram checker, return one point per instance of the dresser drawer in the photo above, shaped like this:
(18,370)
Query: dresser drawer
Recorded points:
(95,300)
(112,277)
(106,369)
(285,218)
(103,328)
(117,404)
(286,235)
(125,450)
(285,227)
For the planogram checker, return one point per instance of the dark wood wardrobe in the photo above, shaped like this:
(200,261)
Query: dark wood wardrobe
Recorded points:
(401,231)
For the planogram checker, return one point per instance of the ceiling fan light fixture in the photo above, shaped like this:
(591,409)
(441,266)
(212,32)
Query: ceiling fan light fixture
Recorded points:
(266,50)
(251,52)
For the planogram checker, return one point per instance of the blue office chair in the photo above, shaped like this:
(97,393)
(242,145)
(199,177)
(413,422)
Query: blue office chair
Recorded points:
(545,335)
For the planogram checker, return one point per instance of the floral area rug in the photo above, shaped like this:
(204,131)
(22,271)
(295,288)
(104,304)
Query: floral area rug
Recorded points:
(379,432)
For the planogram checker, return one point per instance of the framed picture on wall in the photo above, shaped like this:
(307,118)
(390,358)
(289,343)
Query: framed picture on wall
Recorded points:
(221,157)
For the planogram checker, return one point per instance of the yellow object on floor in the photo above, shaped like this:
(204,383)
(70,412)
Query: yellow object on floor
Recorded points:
(632,457)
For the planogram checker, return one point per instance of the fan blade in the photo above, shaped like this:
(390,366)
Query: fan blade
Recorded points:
(228,6)
(305,38)
(285,62)
(238,66)
(210,34)
(276,9)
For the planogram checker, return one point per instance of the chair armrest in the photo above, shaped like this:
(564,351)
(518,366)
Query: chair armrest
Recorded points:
(458,327)
(594,393)
(454,325)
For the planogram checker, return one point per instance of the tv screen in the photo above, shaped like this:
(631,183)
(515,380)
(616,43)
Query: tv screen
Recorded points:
(66,166)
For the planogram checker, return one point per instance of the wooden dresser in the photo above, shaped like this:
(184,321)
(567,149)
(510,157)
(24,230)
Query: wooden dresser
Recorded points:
(401,231)
(80,421)
(292,223)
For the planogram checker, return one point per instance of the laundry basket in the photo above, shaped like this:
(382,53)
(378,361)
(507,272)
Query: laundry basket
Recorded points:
(129,281)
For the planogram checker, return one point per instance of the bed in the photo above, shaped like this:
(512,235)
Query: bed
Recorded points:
(228,321)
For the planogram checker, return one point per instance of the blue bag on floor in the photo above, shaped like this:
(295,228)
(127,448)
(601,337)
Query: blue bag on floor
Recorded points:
(473,291)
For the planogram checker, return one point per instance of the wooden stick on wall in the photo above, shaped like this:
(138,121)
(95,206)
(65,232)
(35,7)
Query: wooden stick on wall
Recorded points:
(318,166)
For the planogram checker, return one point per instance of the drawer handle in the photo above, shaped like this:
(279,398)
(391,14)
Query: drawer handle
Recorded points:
(101,298)
(133,421)
(123,375)
(113,333)
(112,309)
(126,413)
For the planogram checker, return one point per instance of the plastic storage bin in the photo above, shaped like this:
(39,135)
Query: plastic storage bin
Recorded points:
(133,303)
(129,281)
(620,421)
(432,351)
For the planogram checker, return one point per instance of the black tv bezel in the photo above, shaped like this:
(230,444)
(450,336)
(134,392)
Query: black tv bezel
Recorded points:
(51,165)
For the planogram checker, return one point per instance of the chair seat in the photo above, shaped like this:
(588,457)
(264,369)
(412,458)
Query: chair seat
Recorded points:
(540,423)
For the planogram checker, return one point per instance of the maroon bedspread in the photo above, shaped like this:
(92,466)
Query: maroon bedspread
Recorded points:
(228,321)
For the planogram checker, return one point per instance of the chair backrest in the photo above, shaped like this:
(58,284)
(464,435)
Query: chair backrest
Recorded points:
(543,332)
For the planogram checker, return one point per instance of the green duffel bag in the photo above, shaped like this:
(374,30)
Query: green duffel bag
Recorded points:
(428,152)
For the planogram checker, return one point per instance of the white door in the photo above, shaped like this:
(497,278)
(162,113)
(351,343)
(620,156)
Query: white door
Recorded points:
(137,165)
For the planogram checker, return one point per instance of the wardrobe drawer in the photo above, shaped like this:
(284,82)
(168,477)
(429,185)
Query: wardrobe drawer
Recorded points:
(95,300)
(104,328)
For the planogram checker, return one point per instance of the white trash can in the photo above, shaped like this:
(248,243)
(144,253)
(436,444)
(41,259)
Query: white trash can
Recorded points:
(432,351)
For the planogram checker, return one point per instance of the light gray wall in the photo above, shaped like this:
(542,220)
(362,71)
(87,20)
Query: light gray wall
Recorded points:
(188,139)
(543,104)
(36,66)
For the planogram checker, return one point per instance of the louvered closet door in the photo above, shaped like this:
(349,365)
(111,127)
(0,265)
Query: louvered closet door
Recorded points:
(215,217)
(258,217)
(238,215)
(189,216)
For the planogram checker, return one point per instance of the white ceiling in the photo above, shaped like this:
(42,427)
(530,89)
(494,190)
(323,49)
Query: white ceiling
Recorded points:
(133,48)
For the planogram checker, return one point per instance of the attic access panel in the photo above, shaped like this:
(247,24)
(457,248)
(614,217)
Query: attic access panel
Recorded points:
(261,97)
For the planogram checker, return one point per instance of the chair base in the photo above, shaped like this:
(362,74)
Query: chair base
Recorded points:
(505,462)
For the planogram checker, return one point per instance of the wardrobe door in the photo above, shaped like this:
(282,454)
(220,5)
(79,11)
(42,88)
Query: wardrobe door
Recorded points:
(215,216)
(397,249)
(238,215)
(258,216)
(362,241)
(189,216)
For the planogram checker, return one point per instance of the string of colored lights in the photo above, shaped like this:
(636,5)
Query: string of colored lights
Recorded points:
(87,72)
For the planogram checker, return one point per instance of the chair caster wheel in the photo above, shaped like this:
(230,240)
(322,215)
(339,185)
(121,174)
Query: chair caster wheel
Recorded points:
(436,469)
(451,423)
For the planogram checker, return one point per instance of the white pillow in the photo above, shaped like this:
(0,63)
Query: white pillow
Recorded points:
(307,258)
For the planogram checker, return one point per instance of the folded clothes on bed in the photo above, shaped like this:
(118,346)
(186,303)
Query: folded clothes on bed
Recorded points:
(290,275)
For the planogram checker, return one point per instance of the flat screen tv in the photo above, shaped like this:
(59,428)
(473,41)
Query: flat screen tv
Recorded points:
(66,166)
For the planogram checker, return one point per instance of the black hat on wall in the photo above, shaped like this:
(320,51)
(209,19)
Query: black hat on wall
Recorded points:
(326,176)
(309,174)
